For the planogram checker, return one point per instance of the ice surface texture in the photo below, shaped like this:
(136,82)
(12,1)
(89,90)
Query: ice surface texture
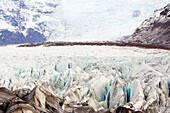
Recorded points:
(104,77)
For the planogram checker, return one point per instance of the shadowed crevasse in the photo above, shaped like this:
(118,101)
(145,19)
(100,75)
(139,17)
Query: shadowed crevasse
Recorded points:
(169,87)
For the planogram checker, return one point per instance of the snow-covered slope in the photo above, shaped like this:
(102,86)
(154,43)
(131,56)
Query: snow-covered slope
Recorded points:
(72,20)
(155,30)
(23,20)
(101,76)
(101,19)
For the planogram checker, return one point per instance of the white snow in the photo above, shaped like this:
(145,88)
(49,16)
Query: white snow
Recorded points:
(6,26)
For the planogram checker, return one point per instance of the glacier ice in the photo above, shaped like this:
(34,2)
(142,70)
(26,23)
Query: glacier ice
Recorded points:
(128,95)
(169,87)
(104,77)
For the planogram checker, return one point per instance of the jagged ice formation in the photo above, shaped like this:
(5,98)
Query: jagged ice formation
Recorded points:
(102,76)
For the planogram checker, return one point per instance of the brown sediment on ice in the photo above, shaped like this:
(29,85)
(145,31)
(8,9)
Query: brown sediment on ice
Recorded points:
(129,44)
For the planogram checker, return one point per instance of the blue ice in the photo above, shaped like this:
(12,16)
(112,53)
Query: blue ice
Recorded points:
(64,82)
(103,96)
(10,82)
(124,88)
(39,74)
(159,97)
(68,73)
(32,71)
(44,71)
(19,73)
(88,91)
(69,65)
(55,79)
(128,95)
(3,83)
(108,99)
(169,87)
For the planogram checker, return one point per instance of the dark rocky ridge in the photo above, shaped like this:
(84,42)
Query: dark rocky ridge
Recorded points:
(40,100)
(128,44)
(155,30)
(8,37)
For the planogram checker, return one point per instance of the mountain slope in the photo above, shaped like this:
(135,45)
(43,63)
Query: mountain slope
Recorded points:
(155,30)
(71,20)
(23,21)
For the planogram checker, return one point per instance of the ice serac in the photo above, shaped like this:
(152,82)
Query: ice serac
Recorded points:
(98,93)
(90,77)
(117,94)
(155,30)
(137,96)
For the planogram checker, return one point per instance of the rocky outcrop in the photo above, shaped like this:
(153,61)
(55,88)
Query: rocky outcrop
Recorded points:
(10,103)
(8,37)
(155,30)
(40,100)
(37,100)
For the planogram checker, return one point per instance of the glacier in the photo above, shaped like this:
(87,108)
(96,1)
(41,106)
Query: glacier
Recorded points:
(105,77)
(93,20)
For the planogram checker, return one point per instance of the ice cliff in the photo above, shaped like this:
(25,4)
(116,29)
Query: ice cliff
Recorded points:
(102,77)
